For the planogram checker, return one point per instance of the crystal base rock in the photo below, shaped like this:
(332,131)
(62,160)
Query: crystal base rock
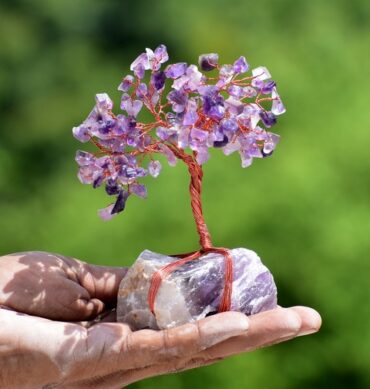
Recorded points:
(193,290)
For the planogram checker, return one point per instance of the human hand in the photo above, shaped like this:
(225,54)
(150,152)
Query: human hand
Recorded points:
(57,287)
(36,352)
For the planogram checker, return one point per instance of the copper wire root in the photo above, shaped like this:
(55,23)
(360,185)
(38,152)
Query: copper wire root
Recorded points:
(161,274)
(225,303)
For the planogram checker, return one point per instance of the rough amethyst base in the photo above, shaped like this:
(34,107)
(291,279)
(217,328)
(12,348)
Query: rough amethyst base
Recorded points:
(194,290)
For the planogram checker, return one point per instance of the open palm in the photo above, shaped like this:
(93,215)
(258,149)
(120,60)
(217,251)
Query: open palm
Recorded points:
(56,330)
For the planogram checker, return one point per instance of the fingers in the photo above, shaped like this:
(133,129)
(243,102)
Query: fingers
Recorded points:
(112,347)
(85,309)
(133,350)
(189,338)
(268,328)
(101,282)
(311,320)
(70,302)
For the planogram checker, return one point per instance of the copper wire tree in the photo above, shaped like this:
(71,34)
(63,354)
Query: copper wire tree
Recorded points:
(228,109)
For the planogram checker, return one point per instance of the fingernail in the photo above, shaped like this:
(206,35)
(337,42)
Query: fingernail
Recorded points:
(308,332)
(218,328)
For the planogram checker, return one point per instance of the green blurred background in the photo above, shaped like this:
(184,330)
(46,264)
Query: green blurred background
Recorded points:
(305,210)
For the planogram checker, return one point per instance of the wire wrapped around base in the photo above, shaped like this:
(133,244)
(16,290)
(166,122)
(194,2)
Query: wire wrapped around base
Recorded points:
(165,271)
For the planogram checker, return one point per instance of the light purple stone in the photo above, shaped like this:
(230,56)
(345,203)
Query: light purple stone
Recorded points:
(141,61)
(241,65)
(126,83)
(277,105)
(140,190)
(191,80)
(106,213)
(236,91)
(226,74)
(160,56)
(270,144)
(183,138)
(81,133)
(249,92)
(132,107)
(141,90)
(103,101)
(202,154)
(194,290)
(176,70)
(83,158)
(191,115)
(163,133)
(199,135)
(154,168)
(168,153)
(231,147)
(234,106)
(261,73)
(246,158)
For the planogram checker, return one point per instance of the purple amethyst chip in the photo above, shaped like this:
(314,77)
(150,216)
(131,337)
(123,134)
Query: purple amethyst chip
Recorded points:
(208,62)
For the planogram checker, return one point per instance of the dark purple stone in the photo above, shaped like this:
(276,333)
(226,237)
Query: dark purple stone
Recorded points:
(120,203)
(268,118)
(208,62)
(158,79)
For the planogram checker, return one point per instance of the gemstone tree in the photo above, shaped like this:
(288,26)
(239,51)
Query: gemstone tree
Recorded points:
(192,110)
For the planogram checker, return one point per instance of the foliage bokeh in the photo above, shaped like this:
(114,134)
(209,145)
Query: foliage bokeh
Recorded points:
(305,210)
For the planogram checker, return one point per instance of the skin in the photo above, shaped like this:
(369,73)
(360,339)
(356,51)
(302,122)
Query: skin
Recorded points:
(57,329)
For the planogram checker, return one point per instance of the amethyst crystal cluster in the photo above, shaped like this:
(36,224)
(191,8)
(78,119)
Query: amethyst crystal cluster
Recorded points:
(193,291)
(192,108)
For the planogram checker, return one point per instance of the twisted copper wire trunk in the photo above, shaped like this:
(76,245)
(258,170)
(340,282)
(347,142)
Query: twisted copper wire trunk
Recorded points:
(196,174)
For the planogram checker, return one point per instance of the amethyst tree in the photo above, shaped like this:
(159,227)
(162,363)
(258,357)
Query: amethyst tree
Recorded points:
(219,106)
